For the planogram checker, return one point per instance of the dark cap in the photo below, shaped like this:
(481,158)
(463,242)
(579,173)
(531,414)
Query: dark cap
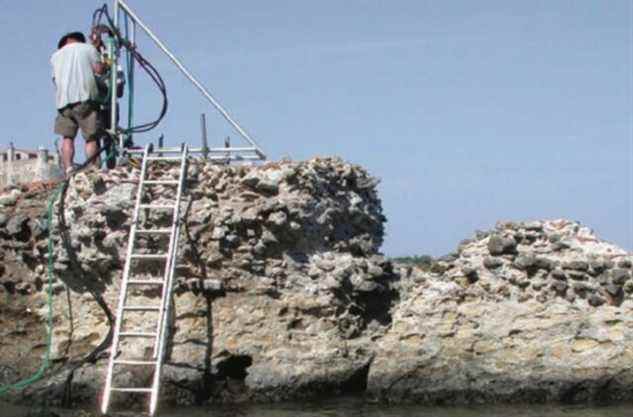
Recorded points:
(78,36)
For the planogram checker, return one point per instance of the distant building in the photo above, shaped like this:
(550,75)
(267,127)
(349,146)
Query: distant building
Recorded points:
(19,166)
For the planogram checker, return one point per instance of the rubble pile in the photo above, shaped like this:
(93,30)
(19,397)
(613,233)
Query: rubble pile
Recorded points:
(536,311)
(542,260)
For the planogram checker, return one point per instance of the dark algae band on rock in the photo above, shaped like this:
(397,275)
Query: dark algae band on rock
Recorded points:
(282,294)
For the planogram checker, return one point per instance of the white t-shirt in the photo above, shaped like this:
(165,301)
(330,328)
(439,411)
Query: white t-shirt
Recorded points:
(73,73)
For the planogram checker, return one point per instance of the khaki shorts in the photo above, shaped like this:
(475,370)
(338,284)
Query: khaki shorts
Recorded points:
(84,116)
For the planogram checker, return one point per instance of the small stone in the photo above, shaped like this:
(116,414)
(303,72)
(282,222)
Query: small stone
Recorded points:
(259,248)
(620,276)
(577,275)
(438,267)
(231,239)
(580,289)
(577,265)
(613,290)
(268,186)
(374,271)
(219,232)
(10,199)
(269,237)
(530,237)
(464,244)
(559,274)
(498,245)
(492,262)
(597,266)
(39,228)
(461,280)
(506,225)
(595,300)
(363,285)
(554,238)
(559,246)
(625,263)
(519,237)
(471,273)
(330,282)
(212,285)
(278,218)
(325,265)
(603,279)
(542,262)
(480,234)
(560,287)
(523,282)
(250,216)
(524,262)
(16,225)
(3,219)
(536,226)
(251,180)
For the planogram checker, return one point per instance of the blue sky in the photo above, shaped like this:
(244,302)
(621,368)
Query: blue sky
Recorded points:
(469,112)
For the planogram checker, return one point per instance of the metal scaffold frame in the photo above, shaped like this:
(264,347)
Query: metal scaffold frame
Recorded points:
(250,152)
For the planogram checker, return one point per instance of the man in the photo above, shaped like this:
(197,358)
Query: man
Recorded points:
(75,64)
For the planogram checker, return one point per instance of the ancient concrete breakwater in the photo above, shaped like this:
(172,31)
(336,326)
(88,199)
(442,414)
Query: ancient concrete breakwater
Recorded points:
(282,294)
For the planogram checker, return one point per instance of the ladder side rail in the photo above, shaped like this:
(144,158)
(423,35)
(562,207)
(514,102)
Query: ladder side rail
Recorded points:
(124,6)
(167,288)
(169,262)
(124,285)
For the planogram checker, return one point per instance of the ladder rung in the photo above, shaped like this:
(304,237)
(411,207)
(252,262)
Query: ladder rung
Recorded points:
(136,334)
(141,308)
(144,282)
(157,206)
(168,149)
(148,256)
(131,389)
(157,182)
(132,362)
(154,231)
(163,158)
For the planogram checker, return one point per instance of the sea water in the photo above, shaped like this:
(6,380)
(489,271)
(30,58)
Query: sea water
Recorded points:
(345,407)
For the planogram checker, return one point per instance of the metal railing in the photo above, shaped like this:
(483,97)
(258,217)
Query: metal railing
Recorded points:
(251,152)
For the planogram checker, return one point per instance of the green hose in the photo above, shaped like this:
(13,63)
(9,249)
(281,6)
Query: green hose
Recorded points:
(49,322)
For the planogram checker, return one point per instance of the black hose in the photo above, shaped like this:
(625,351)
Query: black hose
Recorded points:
(151,71)
(93,356)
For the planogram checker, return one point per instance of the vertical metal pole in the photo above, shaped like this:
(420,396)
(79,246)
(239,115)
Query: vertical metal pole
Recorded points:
(227,144)
(205,143)
(11,158)
(130,87)
(114,56)
(161,143)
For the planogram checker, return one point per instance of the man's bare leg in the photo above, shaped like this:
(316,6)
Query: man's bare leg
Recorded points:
(68,153)
(92,147)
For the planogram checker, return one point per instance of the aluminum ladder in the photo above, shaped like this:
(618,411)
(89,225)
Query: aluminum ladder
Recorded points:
(165,284)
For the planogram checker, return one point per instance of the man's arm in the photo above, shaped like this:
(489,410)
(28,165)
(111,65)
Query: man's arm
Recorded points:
(97,66)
